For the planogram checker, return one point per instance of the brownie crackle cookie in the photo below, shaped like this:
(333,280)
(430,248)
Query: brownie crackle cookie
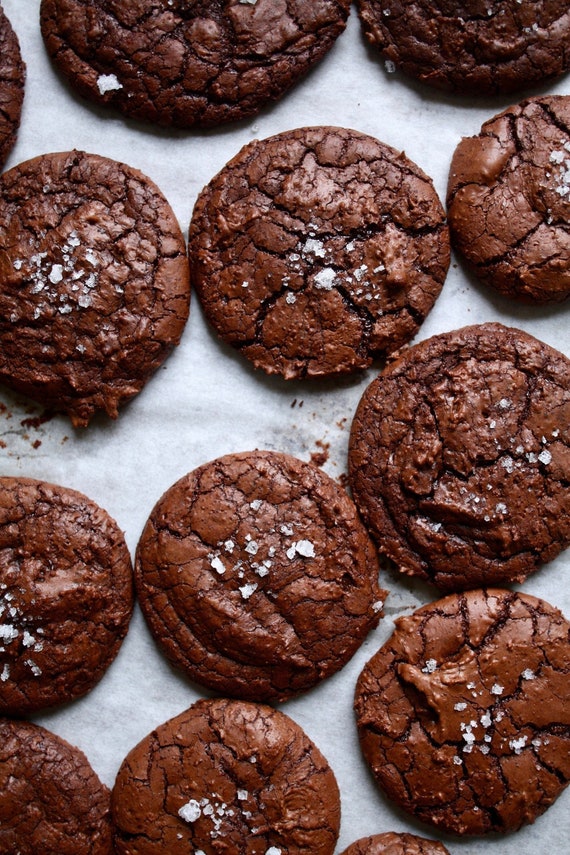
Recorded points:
(66,594)
(226,776)
(480,47)
(459,457)
(94,283)
(508,200)
(317,250)
(12,81)
(393,843)
(257,577)
(178,63)
(464,714)
(51,800)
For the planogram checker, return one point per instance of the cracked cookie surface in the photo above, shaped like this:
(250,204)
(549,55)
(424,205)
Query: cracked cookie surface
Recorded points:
(508,200)
(394,843)
(66,594)
(12,82)
(94,282)
(256,575)
(479,47)
(459,457)
(464,714)
(51,800)
(318,249)
(226,776)
(177,63)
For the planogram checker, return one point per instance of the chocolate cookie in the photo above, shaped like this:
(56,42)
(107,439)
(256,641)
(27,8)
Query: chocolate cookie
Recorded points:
(459,457)
(65,594)
(94,283)
(473,47)
(391,843)
(12,80)
(508,200)
(318,249)
(227,776)
(172,62)
(256,576)
(464,714)
(51,800)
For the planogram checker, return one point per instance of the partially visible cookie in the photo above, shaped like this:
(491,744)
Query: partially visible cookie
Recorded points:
(459,457)
(256,576)
(508,200)
(318,249)
(12,81)
(66,594)
(227,776)
(94,282)
(172,62)
(464,714)
(51,800)
(471,48)
(393,843)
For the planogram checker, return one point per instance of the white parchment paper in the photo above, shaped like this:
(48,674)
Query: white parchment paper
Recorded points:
(207,401)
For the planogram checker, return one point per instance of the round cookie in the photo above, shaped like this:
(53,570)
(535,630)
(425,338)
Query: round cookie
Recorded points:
(256,576)
(474,47)
(508,200)
(171,62)
(94,282)
(51,800)
(464,714)
(458,457)
(66,594)
(393,843)
(12,81)
(318,249)
(226,775)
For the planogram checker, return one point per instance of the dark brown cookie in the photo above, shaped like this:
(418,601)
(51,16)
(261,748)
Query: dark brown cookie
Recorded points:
(464,714)
(459,457)
(66,594)
(508,200)
(318,249)
(51,800)
(227,776)
(476,47)
(12,80)
(392,843)
(256,575)
(94,283)
(172,62)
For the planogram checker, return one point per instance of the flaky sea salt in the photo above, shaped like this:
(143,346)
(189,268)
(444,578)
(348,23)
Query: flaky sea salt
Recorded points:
(108,83)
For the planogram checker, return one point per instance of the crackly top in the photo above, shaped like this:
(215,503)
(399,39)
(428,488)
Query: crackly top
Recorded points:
(464,714)
(393,843)
(508,200)
(172,62)
(66,594)
(317,249)
(226,776)
(256,575)
(459,457)
(51,801)
(94,283)
(473,47)
(12,81)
